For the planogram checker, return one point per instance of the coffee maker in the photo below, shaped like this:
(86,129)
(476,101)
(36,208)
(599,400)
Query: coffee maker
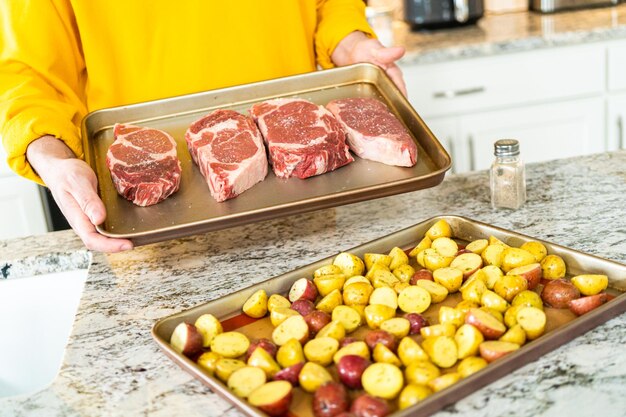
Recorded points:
(432,14)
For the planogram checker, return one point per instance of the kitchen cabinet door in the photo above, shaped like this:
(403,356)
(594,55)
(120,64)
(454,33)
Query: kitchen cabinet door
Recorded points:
(446,130)
(21,208)
(616,122)
(547,131)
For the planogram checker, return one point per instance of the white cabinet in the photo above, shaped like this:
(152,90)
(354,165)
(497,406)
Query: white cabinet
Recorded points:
(552,100)
(21,207)
(616,122)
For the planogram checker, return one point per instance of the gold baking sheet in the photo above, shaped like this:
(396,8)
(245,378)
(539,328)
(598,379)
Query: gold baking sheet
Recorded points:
(192,210)
(562,325)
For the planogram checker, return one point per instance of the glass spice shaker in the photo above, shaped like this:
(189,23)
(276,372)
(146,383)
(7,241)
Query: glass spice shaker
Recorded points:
(507,178)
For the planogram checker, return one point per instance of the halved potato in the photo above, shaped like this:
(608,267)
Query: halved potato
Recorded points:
(445,246)
(590,284)
(261,359)
(383,380)
(398,258)
(471,365)
(294,327)
(330,301)
(358,348)
(413,394)
(224,367)
(230,344)
(321,350)
(350,264)
(245,380)
(372,258)
(509,286)
(383,278)
(468,338)
(444,381)
(494,301)
(273,397)
(442,350)
(414,299)
(385,296)
(404,273)
(256,305)
(437,330)
(357,293)
(532,320)
(421,372)
(423,244)
(329,269)
(383,354)
(209,326)
(538,249)
(376,314)
(514,335)
(290,353)
(468,263)
(437,292)
(440,229)
(495,349)
(397,326)
(516,257)
(348,317)
(410,351)
(327,283)
(276,301)
(333,329)
(477,246)
(449,277)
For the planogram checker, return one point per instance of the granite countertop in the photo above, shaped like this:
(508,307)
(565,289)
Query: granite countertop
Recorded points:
(511,32)
(113,367)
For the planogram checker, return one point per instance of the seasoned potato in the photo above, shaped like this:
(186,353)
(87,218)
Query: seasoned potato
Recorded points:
(589,284)
(553,267)
(261,359)
(373,258)
(312,376)
(495,241)
(294,327)
(356,278)
(492,255)
(376,267)
(383,380)
(400,286)
(404,273)
(382,354)
(495,349)
(209,326)
(468,338)
(468,263)
(532,320)
(451,278)
(445,246)
(348,317)
(474,290)
(321,350)
(398,258)
(414,299)
(442,350)
(397,326)
(471,365)
(538,249)
(528,298)
(327,283)
(329,269)
(421,372)
(515,257)
(440,229)
(290,353)
(450,315)
(357,293)
(350,264)
(510,315)
(410,351)
(280,314)
(256,305)
(423,244)
(385,296)
(208,361)
(376,314)
(224,368)
(276,301)
(437,330)
(382,278)
(358,348)
(413,394)
(509,286)
(333,329)
(477,246)
(435,260)
(559,292)
(444,381)
(492,300)
(330,301)
(514,335)
(437,292)
(493,274)
(230,344)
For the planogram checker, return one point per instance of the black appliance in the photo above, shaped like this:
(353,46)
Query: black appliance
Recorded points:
(433,14)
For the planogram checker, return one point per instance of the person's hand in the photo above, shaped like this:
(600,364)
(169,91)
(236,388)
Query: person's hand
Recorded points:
(357,47)
(73,184)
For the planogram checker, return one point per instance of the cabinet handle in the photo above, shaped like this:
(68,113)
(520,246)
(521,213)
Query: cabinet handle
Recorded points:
(470,147)
(458,93)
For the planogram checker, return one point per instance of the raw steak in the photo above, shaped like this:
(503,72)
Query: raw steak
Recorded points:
(303,139)
(374,132)
(143,164)
(228,148)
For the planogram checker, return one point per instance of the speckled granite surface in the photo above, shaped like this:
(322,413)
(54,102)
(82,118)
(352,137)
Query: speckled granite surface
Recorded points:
(512,32)
(113,367)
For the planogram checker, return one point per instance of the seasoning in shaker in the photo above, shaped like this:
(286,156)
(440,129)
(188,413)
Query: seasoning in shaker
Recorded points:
(507,177)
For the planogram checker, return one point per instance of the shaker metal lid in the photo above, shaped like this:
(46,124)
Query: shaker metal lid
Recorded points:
(506,147)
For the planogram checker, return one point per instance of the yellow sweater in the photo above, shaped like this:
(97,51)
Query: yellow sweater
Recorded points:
(60,59)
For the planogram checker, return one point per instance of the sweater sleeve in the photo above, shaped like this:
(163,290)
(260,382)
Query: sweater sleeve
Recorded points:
(336,20)
(42,77)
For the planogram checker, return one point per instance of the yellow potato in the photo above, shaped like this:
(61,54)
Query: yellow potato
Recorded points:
(383,278)
(376,314)
(440,229)
(509,286)
(423,244)
(245,380)
(321,350)
(414,299)
(382,354)
(413,394)
(451,278)
(590,284)
(230,344)
(290,353)
(349,317)
(468,338)
(333,329)
(445,246)
(256,305)
(410,351)
(329,269)
(385,296)
(398,258)
(495,241)
(225,367)
(357,293)
(450,315)
(209,326)
(400,286)
(492,255)
(397,326)
(477,246)
(553,267)
(493,313)
(350,264)
(510,315)
(464,306)
(514,335)
(421,372)
(528,298)
(330,301)
(404,272)
(420,258)
(437,292)
(538,249)
(471,365)
(532,320)
(356,278)
(208,361)
(327,283)
(516,257)
(444,381)
(493,274)
(435,260)
(474,290)
(437,330)
(442,350)
(293,327)
(376,267)
(260,358)
(312,376)
(276,301)
(372,258)
(493,301)
(358,348)
(280,314)
(383,380)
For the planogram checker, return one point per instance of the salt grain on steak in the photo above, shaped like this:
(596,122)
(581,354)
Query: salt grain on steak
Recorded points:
(143,164)
(303,139)
(374,132)
(228,149)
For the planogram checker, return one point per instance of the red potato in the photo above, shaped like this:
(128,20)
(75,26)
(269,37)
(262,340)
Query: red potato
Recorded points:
(492,350)
(532,273)
(584,305)
(346,341)
(303,306)
(468,263)
(373,337)
(290,374)
(421,274)
(303,288)
(488,325)
(274,397)
(330,400)
(316,320)
(558,293)
(264,343)
(417,321)
(350,368)
(186,339)
(366,405)
(462,251)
